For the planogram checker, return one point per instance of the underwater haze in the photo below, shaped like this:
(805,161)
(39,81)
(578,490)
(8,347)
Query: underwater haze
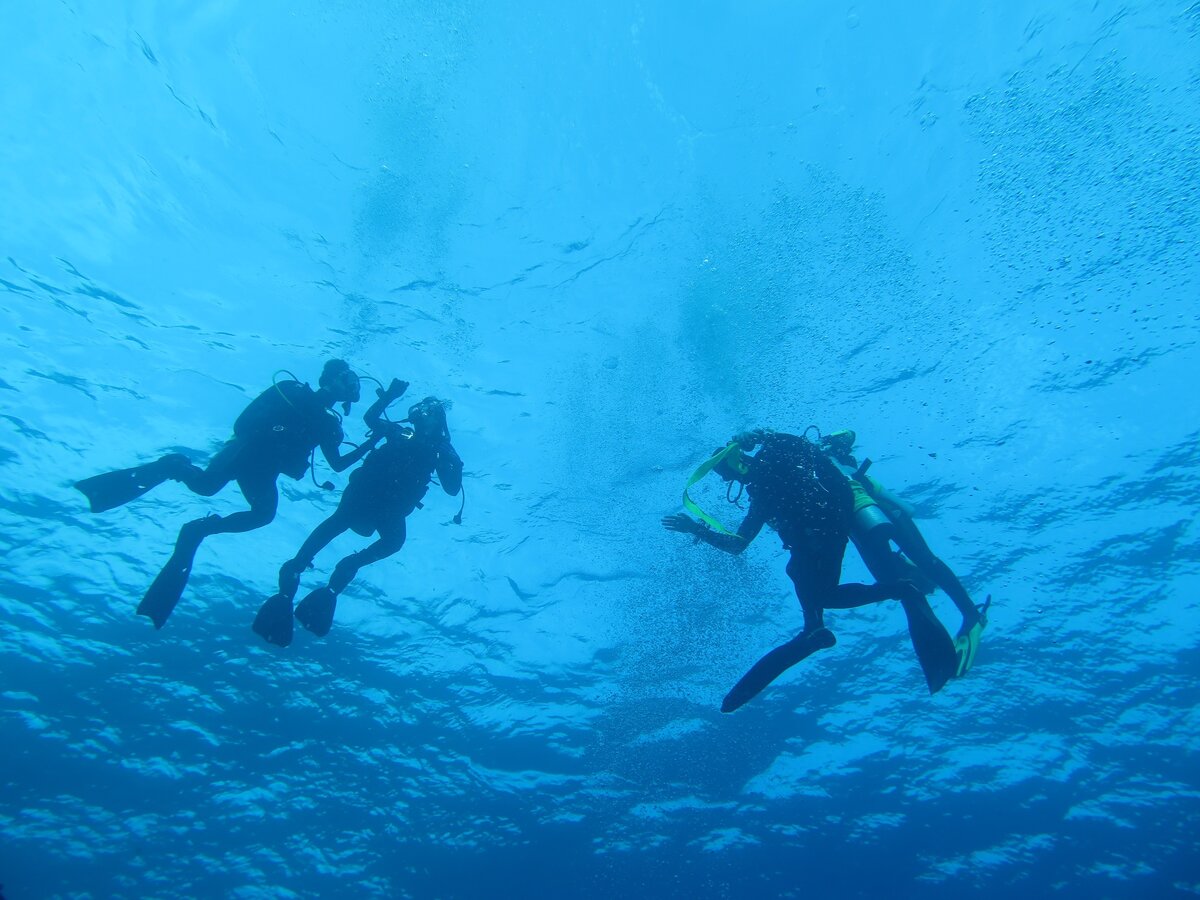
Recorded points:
(613,235)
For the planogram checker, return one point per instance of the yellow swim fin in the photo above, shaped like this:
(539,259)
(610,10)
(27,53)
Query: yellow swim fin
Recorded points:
(966,645)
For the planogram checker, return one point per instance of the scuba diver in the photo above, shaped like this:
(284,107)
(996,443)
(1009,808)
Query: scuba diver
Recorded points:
(881,519)
(796,490)
(381,494)
(277,434)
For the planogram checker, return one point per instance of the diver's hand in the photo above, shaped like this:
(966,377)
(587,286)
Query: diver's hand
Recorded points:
(394,391)
(682,524)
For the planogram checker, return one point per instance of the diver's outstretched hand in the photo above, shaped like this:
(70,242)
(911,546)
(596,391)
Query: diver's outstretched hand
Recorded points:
(394,391)
(682,524)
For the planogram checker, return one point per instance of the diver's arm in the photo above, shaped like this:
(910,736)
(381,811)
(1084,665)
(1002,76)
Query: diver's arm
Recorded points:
(374,416)
(449,469)
(747,531)
(331,449)
(730,543)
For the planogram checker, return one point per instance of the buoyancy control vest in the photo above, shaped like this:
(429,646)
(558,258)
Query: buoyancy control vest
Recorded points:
(799,489)
(285,423)
(398,472)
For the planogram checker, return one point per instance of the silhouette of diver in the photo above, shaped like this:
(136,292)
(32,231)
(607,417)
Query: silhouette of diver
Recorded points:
(881,519)
(796,490)
(381,494)
(276,434)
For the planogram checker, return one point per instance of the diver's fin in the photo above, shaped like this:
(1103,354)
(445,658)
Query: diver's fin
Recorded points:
(315,611)
(164,592)
(967,643)
(274,621)
(112,489)
(167,588)
(774,664)
(932,643)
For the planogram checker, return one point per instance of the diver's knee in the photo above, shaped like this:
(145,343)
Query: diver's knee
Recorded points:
(262,515)
(205,485)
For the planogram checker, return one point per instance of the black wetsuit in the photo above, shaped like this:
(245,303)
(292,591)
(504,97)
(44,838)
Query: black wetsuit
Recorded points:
(387,487)
(797,491)
(275,435)
(283,425)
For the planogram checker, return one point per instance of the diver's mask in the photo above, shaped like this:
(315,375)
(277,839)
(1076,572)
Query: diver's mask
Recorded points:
(347,387)
(341,381)
(839,443)
(428,416)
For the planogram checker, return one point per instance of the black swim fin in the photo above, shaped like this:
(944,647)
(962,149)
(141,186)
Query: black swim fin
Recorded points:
(112,489)
(774,664)
(274,621)
(164,593)
(315,611)
(932,643)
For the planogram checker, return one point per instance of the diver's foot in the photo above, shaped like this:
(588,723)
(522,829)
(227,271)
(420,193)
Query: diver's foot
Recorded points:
(977,616)
(174,466)
(289,577)
(818,638)
(969,622)
(192,533)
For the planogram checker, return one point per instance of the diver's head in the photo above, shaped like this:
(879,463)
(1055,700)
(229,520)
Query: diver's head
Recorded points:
(732,464)
(839,443)
(341,382)
(428,418)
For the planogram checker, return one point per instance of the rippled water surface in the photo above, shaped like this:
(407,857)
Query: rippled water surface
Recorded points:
(613,235)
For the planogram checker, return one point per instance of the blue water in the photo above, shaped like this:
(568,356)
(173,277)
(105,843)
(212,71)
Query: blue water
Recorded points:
(613,235)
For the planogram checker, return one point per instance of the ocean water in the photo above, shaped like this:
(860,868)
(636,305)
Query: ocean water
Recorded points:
(613,235)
